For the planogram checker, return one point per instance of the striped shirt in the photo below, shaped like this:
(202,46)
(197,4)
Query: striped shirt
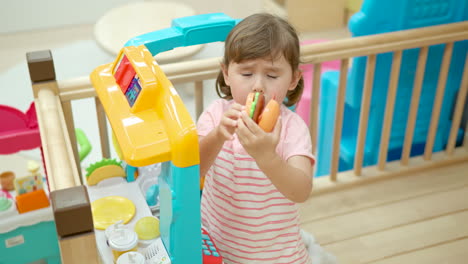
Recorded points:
(247,217)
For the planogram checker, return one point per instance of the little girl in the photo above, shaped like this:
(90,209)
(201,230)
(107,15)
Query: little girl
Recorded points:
(254,179)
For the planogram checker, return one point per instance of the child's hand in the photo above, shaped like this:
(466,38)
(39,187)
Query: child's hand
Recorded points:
(228,124)
(257,142)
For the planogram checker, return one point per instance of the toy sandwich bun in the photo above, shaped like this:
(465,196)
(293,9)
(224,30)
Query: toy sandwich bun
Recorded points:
(264,116)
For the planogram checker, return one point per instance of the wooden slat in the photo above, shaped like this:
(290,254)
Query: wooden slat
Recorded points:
(189,67)
(444,68)
(72,166)
(46,159)
(416,95)
(78,94)
(389,108)
(199,98)
(438,179)
(74,84)
(313,117)
(70,246)
(80,88)
(102,125)
(339,118)
(372,174)
(457,116)
(364,115)
(62,172)
(196,76)
(394,37)
(384,244)
(68,115)
(388,215)
(385,47)
(450,252)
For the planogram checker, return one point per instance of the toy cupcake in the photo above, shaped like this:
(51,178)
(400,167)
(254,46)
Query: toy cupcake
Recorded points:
(7,180)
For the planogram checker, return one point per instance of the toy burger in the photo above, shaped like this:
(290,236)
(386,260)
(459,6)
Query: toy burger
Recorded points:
(264,116)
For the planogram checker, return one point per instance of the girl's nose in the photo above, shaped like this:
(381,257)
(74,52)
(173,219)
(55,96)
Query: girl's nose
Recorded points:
(258,86)
(258,89)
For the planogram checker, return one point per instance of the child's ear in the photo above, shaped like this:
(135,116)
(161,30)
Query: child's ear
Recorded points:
(297,75)
(224,69)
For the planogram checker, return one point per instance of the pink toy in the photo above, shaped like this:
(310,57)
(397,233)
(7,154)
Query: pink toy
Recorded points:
(18,131)
(303,106)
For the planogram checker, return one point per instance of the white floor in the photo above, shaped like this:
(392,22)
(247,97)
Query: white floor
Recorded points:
(76,54)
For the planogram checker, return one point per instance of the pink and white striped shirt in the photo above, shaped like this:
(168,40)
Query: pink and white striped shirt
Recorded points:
(247,217)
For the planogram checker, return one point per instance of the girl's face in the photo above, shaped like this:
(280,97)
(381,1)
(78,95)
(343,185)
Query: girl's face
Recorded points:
(273,78)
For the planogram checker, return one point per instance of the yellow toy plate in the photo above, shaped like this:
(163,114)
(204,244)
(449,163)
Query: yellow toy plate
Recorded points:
(108,210)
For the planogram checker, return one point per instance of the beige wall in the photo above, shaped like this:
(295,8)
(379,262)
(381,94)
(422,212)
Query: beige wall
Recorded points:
(233,8)
(26,15)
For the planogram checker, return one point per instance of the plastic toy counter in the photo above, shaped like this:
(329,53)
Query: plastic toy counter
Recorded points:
(28,237)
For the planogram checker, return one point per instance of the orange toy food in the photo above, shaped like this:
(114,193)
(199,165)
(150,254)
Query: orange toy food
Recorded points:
(266,116)
(32,201)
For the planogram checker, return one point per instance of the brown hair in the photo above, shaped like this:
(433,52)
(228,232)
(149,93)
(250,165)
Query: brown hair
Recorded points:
(259,36)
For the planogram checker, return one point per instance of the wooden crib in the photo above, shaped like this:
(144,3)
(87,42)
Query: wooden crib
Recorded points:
(354,214)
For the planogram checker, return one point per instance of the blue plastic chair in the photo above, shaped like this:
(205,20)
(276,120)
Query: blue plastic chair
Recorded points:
(381,17)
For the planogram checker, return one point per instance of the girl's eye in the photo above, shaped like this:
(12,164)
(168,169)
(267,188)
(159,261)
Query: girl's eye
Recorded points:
(246,74)
(272,76)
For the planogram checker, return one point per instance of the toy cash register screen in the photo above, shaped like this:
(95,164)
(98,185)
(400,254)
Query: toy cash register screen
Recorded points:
(126,77)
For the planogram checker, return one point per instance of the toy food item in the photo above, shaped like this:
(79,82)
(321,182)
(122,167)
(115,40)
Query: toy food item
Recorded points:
(32,201)
(29,183)
(104,169)
(254,105)
(266,116)
(147,228)
(7,179)
(270,114)
(33,167)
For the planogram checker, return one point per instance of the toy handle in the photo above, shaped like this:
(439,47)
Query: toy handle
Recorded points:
(186,31)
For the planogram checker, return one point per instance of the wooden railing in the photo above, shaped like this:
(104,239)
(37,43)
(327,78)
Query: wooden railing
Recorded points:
(56,120)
